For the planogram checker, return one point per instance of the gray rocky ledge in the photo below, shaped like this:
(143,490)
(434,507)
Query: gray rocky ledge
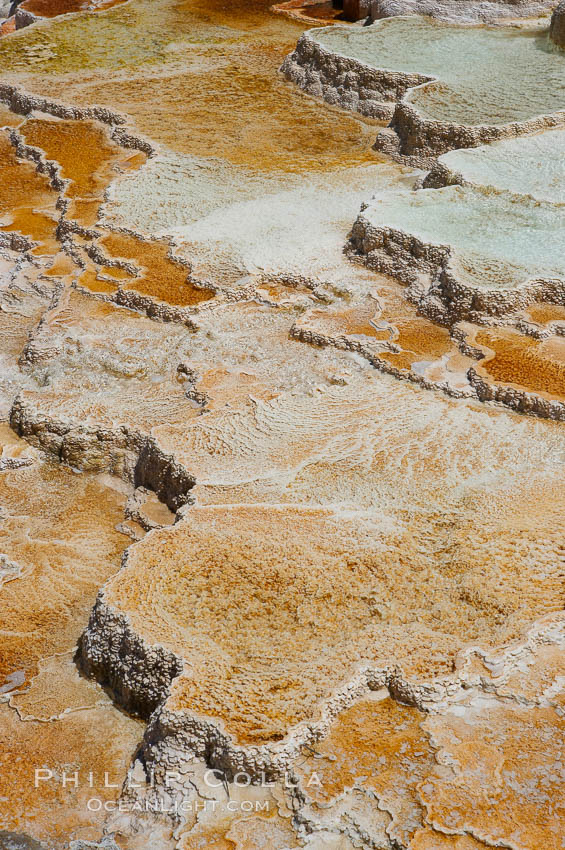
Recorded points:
(433,284)
(414,138)
(346,82)
(557,28)
(121,451)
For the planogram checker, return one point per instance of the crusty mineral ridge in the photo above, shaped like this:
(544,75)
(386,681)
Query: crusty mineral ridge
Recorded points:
(557,28)
(455,274)
(346,82)
(440,242)
(431,106)
(387,330)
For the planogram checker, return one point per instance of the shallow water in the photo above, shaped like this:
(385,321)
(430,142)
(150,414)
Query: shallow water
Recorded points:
(201,79)
(533,165)
(536,365)
(516,74)
(90,173)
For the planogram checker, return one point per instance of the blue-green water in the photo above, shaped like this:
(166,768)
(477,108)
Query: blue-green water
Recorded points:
(485,75)
(497,239)
(532,165)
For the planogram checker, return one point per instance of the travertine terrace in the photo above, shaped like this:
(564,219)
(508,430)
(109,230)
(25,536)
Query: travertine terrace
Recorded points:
(465,246)
(281,428)
(475,270)
(233,699)
(415,72)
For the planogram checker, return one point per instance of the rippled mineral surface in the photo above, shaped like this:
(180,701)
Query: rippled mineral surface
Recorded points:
(281,430)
